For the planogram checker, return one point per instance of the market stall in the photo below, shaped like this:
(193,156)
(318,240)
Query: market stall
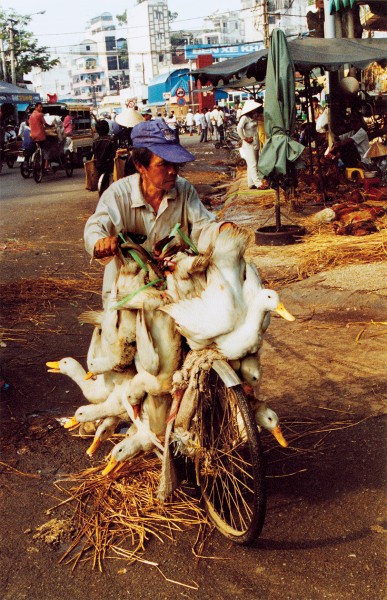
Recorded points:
(14,101)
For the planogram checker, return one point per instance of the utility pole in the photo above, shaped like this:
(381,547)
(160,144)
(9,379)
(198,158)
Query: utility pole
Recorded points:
(3,63)
(12,52)
(266,33)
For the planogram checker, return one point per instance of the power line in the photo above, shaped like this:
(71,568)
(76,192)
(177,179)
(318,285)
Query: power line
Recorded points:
(127,28)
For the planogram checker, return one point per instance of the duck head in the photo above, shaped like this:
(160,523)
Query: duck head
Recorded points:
(268,419)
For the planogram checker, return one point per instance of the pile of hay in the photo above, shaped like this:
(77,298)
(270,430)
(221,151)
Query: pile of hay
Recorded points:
(322,251)
(116,516)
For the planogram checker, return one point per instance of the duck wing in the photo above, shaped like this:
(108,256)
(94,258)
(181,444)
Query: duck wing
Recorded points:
(206,316)
(92,317)
(147,352)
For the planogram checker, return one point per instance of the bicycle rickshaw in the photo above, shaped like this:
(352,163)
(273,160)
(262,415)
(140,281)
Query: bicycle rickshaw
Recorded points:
(55,151)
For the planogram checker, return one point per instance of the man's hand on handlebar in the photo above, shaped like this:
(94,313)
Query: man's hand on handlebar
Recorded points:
(105,247)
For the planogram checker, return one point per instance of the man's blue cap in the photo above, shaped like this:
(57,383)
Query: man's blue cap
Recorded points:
(161,140)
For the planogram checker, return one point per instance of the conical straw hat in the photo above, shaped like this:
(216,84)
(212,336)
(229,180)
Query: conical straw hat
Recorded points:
(377,149)
(250,105)
(129,117)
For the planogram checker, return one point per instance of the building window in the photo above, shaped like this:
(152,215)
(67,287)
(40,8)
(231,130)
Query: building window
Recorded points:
(113,83)
(88,48)
(112,63)
(158,14)
(123,62)
(110,42)
(91,63)
(122,44)
(161,57)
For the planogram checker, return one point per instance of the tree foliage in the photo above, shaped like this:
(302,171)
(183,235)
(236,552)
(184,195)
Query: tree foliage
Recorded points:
(27,51)
(122,18)
(172,16)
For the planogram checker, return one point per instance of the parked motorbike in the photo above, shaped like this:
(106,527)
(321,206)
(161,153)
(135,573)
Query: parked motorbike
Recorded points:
(11,152)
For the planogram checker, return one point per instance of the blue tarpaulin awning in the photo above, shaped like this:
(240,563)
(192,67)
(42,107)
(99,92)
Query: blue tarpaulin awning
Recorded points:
(15,94)
(166,83)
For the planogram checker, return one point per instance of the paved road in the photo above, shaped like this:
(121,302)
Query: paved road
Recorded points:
(323,535)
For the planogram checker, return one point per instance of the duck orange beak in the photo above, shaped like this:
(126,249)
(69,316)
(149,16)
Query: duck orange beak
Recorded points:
(53,367)
(281,310)
(279,437)
(94,447)
(89,375)
(71,424)
(112,464)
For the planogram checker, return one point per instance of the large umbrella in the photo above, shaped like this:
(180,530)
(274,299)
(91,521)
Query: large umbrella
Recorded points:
(280,154)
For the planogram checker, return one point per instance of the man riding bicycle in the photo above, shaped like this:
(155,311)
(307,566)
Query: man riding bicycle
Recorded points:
(150,202)
(38,130)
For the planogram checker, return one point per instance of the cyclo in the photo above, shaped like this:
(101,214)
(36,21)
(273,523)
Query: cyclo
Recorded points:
(55,150)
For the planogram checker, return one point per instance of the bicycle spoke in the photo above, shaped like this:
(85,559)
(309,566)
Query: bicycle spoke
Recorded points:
(229,469)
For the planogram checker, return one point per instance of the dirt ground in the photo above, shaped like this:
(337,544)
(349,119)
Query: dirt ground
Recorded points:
(324,375)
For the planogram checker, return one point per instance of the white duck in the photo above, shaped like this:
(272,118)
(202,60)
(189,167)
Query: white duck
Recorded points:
(186,275)
(247,337)
(221,307)
(105,430)
(158,348)
(202,318)
(249,370)
(114,405)
(95,390)
(268,419)
(227,256)
(116,347)
(140,436)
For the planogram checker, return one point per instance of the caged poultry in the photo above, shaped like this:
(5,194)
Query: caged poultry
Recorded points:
(175,356)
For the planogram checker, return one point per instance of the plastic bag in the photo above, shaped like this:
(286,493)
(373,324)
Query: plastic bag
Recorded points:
(322,122)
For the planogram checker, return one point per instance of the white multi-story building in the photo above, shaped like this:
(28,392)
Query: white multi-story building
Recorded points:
(262,16)
(149,45)
(99,64)
(222,28)
(55,82)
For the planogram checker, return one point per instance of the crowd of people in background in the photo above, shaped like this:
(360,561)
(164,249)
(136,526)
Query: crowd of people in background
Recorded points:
(112,132)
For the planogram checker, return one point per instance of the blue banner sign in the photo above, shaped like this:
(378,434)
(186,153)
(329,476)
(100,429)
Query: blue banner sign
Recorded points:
(191,52)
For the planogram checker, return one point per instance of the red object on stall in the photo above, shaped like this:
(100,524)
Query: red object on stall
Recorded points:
(52,98)
(205,99)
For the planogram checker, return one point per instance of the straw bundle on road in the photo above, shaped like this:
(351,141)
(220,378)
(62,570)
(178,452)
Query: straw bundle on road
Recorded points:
(116,516)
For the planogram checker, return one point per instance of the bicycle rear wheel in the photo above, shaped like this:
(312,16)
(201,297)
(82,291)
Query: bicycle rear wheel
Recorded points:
(25,168)
(229,464)
(68,158)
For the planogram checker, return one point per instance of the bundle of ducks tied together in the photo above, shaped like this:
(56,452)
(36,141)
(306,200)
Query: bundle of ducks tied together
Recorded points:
(138,368)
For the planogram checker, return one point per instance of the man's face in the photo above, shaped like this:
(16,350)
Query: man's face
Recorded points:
(39,107)
(161,173)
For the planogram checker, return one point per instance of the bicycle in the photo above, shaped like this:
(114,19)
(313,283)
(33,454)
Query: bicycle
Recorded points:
(65,161)
(228,456)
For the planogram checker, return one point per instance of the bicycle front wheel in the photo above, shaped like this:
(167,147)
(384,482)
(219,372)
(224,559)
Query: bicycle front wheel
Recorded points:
(37,165)
(229,463)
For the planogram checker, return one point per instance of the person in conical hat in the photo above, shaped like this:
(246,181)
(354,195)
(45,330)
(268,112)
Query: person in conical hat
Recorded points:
(129,117)
(248,132)
(123,125)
